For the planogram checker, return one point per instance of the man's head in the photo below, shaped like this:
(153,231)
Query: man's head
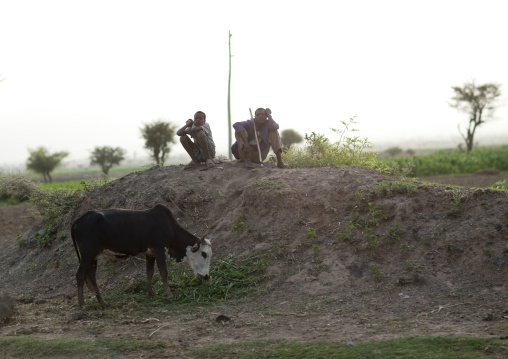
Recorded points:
(260,118)
(199,118)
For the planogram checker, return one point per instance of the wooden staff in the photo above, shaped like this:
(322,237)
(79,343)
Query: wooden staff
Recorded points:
(256,135)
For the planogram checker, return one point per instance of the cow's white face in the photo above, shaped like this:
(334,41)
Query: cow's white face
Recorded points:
(199,257)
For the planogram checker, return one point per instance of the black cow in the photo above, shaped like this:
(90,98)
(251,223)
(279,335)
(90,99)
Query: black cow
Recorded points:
(123,233)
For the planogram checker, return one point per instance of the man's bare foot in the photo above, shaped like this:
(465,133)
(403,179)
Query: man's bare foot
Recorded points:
(282,165)
(210,163)
(248,164)
(189,165)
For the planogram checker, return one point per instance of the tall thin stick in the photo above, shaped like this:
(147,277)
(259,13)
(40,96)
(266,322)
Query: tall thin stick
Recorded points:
(229,99)
(256,135)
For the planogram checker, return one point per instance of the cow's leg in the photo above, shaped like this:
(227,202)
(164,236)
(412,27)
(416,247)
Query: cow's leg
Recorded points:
(80,279)
(163,270)
(150,264)
(91,281)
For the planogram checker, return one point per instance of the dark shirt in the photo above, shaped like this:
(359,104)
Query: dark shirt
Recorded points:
(263,133)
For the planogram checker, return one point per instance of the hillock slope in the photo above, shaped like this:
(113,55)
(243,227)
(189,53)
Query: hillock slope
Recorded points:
(353,253)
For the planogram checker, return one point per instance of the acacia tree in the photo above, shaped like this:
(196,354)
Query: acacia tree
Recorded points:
(290,137)
(478,102)
(107,157)
(41,161)
(158,137)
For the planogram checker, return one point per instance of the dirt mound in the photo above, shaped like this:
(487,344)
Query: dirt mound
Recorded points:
(354,254)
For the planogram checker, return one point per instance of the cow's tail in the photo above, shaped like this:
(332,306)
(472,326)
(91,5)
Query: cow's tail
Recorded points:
(73,235)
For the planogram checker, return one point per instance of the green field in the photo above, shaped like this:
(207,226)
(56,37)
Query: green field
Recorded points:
(450,162)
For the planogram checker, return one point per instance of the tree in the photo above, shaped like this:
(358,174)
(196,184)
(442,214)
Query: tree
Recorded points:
(40,161)
(290,137)
(158,135)
(107,157)
(478,102)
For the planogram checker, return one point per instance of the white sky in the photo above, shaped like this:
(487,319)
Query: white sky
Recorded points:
(80,74)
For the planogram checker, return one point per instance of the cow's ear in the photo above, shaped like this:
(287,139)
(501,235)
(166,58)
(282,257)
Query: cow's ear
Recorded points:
(195,248)
(202,239)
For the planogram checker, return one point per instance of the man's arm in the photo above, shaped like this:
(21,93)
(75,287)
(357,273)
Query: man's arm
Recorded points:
(272,125)
(182,131)
(240,127)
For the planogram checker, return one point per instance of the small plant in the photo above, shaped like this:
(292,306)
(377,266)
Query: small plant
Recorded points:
(315,248)
(32,267)
(401,170)
(404,281)
(322,266)
(378,276)
(404,248)
(239,227)
(404,186)
(311,234)
(267,184)
(343,235)
(44,238)
(456,205)
(412,267)
(109,269)
(394,232)
(383,188)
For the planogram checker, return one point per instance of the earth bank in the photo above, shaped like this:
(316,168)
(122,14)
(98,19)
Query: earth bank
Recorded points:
(421,260)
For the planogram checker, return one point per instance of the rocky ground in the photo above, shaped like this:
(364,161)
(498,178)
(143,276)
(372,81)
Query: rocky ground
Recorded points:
(445,274)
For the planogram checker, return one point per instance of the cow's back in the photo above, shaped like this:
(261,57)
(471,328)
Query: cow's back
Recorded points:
(126,231)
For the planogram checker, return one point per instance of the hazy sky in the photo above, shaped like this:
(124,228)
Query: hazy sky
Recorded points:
(80,74)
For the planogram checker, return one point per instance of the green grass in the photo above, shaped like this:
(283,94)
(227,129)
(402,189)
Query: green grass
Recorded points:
(454,161)
(33,347)
(403,348)
(77,184)
(230,278)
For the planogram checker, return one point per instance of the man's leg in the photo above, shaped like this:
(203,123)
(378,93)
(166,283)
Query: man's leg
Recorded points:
(276,144)
(189,147)
(203,145)
(244,150)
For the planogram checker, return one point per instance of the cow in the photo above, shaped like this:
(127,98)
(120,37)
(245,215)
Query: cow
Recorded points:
(122,233)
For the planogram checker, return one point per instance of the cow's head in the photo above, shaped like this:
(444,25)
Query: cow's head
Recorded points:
(199,257)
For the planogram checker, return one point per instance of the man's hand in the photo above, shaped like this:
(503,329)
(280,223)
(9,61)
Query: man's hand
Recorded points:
(268,112)
(189,122)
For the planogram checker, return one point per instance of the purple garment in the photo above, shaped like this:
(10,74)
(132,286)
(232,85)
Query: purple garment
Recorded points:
(262,137)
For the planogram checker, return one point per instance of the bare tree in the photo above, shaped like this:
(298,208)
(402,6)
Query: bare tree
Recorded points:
(107,157)
(158,135)
(41,161)
(479,102)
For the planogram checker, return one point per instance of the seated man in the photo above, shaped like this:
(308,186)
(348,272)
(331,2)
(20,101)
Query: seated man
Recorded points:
(245,147)
(203,147)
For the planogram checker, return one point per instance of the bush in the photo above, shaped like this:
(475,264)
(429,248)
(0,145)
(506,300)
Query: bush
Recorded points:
(501,185)
(320,152)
